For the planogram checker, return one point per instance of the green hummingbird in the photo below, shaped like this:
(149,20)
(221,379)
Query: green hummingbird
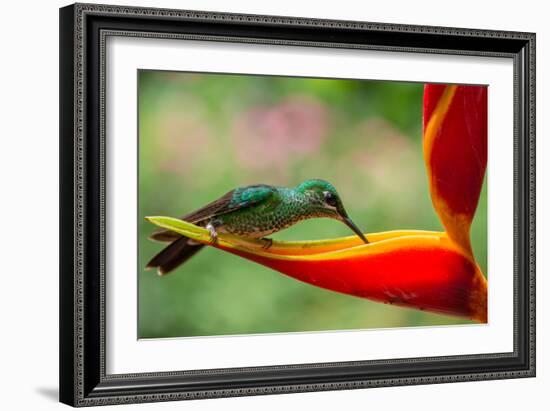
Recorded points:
(254,211)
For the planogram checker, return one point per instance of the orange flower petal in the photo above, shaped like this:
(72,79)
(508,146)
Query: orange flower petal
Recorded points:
(418,269)
(455,152)
(427,272)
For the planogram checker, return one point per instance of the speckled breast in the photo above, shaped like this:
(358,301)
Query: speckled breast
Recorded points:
(262,221)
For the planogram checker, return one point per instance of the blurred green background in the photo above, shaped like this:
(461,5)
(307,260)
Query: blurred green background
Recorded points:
(201,135)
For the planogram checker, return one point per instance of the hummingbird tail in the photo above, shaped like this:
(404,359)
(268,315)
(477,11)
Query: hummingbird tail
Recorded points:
(174,255)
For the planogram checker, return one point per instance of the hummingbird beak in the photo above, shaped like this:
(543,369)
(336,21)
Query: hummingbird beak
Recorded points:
(347,221)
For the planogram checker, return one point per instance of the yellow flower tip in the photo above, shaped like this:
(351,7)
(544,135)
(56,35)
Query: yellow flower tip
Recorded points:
(351,245)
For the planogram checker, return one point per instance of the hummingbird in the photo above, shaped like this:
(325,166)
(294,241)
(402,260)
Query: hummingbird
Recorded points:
(254,211)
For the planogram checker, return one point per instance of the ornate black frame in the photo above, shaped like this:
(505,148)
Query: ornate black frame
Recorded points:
(83,30)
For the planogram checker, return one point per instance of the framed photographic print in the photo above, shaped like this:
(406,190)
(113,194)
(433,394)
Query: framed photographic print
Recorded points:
(261,204)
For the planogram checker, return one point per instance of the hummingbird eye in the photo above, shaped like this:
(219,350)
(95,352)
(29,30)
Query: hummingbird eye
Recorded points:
(330,198)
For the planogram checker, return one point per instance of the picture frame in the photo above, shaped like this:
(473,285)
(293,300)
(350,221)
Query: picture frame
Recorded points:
(84,82)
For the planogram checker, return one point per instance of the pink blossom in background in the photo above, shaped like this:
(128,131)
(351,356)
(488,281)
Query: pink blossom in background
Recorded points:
(270,137)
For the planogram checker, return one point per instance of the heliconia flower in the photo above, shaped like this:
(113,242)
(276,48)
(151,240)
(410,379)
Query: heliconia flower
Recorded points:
(426,270)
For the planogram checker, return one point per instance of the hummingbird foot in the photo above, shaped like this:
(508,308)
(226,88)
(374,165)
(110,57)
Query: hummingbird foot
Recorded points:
(213,233)
(268,242)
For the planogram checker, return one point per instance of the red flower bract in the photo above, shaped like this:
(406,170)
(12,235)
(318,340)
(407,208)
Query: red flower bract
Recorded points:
(455,150)
(423,271)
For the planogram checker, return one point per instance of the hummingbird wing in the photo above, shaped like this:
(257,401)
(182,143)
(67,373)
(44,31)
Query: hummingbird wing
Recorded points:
(234,200)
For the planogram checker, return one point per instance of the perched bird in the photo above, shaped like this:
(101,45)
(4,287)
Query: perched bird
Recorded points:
(254,211)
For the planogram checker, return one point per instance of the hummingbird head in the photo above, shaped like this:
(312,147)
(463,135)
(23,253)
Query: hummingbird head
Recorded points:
(328,202)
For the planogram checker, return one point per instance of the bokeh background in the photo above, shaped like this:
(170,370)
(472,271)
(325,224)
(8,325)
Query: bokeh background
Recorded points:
(201,135)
